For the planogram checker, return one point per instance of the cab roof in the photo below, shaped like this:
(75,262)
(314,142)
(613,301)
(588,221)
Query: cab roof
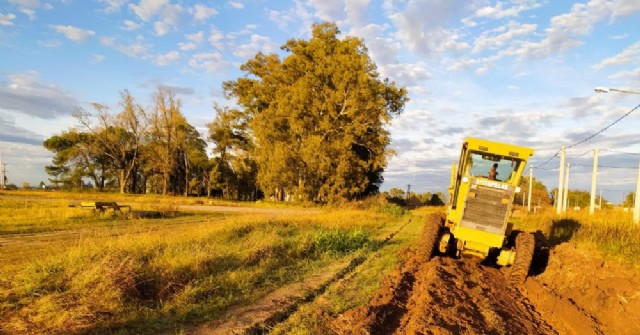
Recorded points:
(498,148)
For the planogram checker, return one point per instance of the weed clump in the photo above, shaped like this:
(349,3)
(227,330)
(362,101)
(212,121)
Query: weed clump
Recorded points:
(392,209)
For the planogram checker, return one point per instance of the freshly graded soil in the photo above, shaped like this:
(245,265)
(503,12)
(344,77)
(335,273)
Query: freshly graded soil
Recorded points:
(573,292)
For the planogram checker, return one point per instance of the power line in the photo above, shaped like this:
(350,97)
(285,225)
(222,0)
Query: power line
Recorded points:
(580,155)
(546,169)
(605,128)
(621,152)
(591,136)
(606,166)
(547,161)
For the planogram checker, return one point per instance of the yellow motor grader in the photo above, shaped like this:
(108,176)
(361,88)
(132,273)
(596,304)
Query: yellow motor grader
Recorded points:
(481,196)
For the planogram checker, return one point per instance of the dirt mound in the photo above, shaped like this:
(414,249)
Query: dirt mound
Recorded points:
(586,294)
(444,296)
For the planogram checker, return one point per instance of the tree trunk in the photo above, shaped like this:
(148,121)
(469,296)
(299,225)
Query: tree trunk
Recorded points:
(123,182)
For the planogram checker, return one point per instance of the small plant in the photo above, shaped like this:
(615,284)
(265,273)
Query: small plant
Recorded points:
(392,209)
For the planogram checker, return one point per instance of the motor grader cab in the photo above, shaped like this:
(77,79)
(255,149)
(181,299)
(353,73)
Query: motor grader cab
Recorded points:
(481,196)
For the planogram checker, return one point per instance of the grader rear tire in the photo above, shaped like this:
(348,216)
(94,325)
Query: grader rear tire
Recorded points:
(525,245)
(430,234)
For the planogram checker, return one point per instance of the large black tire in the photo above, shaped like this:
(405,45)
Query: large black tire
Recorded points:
(525,245)
(430,234)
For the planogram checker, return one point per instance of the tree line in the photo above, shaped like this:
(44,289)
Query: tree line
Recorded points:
(310,126)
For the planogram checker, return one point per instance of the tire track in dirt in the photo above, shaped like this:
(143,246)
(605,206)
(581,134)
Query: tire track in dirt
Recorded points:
(279,305)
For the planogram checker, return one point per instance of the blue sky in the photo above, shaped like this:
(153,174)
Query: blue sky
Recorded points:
(521,71)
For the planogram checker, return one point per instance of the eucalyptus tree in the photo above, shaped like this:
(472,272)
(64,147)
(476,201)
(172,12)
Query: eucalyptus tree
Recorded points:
(318,117)
(76,158)
(118,137)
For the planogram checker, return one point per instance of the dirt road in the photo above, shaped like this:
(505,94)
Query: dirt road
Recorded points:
(574,293)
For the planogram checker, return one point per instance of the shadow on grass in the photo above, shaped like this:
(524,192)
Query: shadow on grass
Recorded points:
(562,231)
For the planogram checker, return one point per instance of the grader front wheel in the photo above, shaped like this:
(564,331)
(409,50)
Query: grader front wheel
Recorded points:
(430,234)
(525,245)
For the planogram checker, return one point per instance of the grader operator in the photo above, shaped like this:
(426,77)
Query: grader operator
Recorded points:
(481,195)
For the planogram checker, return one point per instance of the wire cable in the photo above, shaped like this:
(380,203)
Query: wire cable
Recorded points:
(621,152)
(605,128)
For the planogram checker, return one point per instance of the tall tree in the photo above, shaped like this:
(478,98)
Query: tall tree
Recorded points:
(75,158)
(318,117)
(118,137)
(166,135)
(233,169)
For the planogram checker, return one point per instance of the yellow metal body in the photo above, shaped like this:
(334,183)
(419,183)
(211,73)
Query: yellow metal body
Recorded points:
(479,204)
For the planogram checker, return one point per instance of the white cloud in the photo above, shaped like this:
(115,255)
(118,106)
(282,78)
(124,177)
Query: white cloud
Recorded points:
(168,58)
(499,12)
(202,12)
(513,30)
(328,10)
(628,56)
(216,38)
(73,33)
(147,9)
(131,26)
(236,4)
(468,22)
(137,49)
(47,6)
(356,11)
(625,7)
(112,6)
(170,18)
(95,59)
(257,43)
(208,61)
(513,88)
(383,48)
(564,30)
(26,94)
(195,37)
(161,28)
(187,46)
(298,14)
(26,3)
(406,74)
(28,12)
(7,19)
(49,43)
(422,27)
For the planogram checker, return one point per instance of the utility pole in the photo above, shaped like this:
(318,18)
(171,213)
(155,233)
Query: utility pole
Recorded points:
(2,171)
(594,174)
(565,196)
(600,205)
(560,197)
(530,188)
(636,206)
(3,167)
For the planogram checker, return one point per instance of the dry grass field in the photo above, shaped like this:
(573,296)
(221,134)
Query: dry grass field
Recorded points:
(67,270)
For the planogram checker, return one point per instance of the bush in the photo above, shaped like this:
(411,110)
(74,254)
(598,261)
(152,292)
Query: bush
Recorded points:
(392,209)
